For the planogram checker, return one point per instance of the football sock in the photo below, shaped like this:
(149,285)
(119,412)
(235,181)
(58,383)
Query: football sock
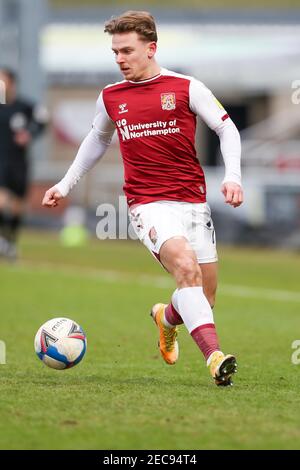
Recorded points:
(198,318)
(172,317)
(205,336)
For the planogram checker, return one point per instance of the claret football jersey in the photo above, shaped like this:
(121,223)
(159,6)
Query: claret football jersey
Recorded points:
(156,122)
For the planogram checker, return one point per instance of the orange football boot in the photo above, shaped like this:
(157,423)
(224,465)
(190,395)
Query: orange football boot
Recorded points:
(168,343)
(222,368)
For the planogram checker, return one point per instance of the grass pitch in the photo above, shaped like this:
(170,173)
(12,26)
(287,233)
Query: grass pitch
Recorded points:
(122,395)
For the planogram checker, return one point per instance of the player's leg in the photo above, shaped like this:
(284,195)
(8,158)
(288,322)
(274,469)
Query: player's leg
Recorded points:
(159,227)
(193,307)
(203,241)
(155,223)
(16,205)
(181,261)
(210,281)
(221,367)
(172,316)
(10,220)
(17,184)
(209,273)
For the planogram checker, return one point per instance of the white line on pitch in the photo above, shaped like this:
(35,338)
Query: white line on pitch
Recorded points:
(162,282)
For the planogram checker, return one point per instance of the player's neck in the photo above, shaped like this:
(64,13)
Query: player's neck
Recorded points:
(149,73)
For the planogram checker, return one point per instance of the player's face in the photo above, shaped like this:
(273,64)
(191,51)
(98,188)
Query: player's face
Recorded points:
(133,55)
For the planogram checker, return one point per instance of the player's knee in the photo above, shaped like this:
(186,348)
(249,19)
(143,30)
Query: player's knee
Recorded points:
(187,272)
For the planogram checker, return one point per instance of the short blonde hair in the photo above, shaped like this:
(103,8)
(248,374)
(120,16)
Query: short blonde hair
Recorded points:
(141,22)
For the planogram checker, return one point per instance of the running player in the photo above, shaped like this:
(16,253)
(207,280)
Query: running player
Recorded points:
(154,111)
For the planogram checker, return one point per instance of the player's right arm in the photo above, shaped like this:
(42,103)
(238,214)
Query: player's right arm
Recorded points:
(90,152)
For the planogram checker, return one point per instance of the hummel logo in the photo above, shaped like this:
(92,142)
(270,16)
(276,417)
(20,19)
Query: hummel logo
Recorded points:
(122,108)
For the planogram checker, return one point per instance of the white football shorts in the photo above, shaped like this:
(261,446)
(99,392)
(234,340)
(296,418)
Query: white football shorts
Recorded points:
(158,221)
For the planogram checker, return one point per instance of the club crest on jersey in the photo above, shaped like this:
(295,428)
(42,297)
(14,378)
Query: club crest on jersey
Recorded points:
(123,108)
(168,101)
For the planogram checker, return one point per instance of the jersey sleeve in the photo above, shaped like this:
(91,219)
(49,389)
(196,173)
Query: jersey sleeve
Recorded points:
(102,124)
(204,104)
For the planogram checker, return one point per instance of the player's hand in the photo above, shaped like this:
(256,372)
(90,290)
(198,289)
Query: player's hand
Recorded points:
(233,194)
(51,198)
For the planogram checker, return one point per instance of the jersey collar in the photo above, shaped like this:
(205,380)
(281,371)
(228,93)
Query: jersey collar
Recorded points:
(148,79)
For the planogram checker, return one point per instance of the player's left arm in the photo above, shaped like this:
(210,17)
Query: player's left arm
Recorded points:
(204,104)
(230,144)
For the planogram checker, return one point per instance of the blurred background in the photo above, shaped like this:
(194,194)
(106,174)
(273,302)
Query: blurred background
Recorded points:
(122,396)
(248,57)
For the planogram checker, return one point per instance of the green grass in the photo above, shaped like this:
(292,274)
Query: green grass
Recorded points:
(122,395)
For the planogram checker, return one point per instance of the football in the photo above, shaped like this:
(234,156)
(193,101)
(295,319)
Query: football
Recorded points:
(60,343)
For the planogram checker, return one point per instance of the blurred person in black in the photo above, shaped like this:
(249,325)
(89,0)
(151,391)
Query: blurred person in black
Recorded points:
(20,122)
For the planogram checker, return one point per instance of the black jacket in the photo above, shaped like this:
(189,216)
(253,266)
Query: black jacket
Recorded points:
(18,115)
